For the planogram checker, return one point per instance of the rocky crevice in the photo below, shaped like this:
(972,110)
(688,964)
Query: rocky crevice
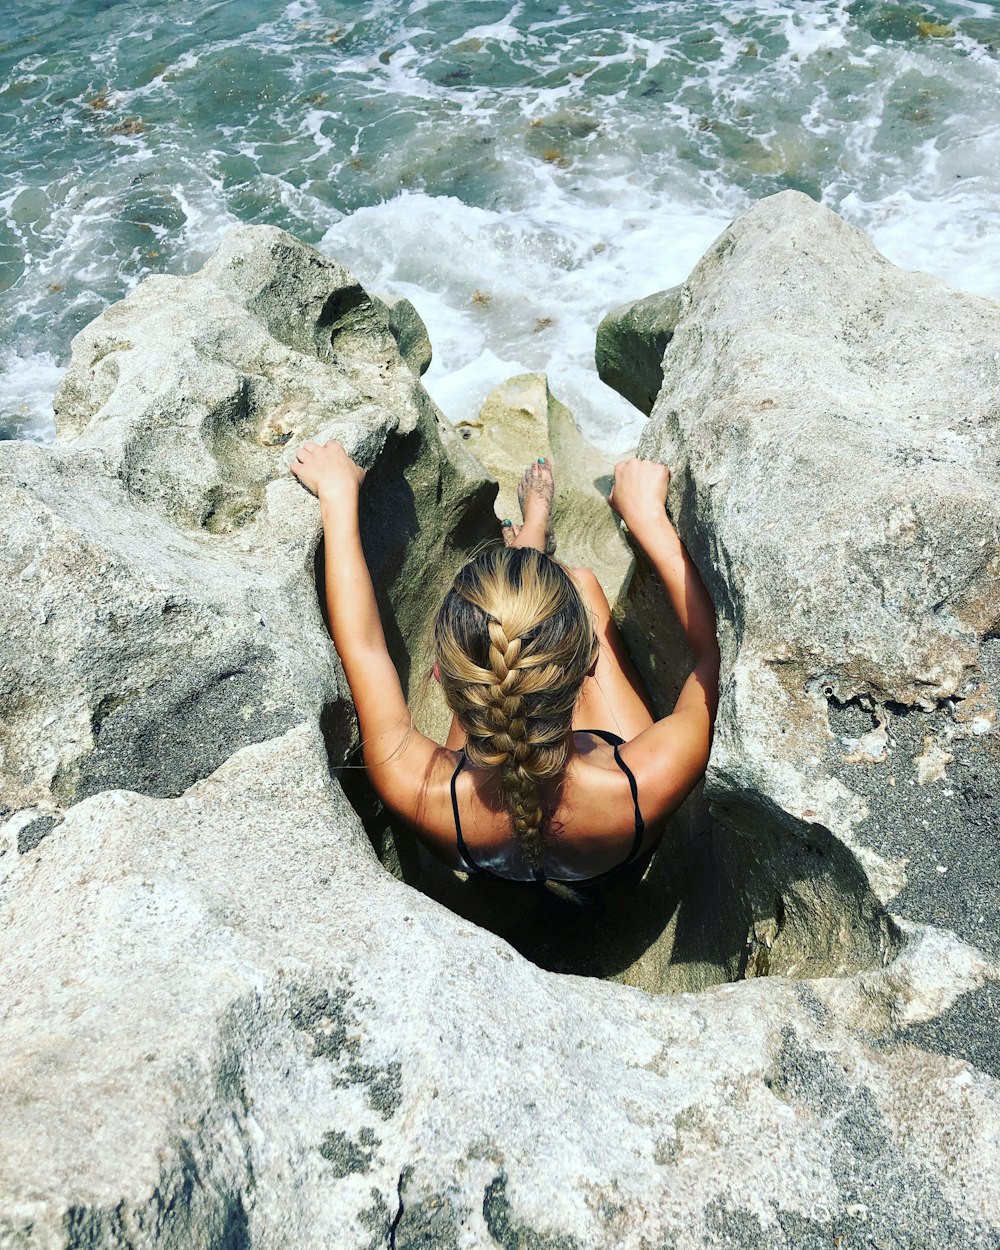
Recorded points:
(733,892)
(226,1025)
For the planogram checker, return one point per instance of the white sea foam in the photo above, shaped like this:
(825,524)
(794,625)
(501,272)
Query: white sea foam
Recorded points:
(460,394)
(559,163)
(207,216)
(185,62)
(299,10)
(523,290)
(976,8)
(503,31)
(949,239)
(27,384)
(810,28)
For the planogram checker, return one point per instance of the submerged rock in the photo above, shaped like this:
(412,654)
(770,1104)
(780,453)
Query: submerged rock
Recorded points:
(224,1024)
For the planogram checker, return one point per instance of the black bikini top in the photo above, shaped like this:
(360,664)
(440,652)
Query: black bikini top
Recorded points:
(539,875)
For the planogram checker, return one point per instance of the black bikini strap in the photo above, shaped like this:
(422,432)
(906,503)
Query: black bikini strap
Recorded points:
(463,850)
(640,824)
(539,873)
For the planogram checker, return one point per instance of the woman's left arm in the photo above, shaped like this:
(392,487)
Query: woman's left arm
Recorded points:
(396,756)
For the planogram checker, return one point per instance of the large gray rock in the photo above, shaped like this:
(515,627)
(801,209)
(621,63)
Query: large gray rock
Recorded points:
(159,606)
(224,1024)
(141,655)
(407,327)
(831,421)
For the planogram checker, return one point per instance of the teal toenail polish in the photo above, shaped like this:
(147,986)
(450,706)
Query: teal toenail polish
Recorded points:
(507,522)
(541,459)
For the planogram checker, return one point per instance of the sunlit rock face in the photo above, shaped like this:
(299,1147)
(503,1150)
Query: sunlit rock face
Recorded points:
(832,421)
(522,419)
(160,604)
(225,1024)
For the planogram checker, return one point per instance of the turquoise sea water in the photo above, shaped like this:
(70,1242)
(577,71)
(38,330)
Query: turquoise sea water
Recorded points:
(514,168)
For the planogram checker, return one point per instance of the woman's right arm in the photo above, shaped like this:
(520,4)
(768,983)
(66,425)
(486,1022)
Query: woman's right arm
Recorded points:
(685,736)
(397,757)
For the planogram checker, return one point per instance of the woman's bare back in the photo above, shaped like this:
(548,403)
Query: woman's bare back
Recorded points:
(589,816)
(595,823)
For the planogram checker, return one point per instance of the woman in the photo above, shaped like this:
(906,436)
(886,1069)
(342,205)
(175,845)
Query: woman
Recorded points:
(554,771)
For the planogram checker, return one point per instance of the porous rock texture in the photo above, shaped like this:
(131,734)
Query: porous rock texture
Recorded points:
(222,1022)
(832,424)
(226,1025)
(521,419)
(159,608)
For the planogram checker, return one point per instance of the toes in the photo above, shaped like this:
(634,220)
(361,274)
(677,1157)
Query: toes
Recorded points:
(536,474)
(537,481)
(509,531)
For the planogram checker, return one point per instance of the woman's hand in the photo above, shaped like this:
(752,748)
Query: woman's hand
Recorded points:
(639,494)
(327,470)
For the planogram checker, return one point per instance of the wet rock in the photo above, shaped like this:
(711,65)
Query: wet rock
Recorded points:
(631,341)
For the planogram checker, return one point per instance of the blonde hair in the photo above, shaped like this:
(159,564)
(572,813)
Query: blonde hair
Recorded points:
(514,641)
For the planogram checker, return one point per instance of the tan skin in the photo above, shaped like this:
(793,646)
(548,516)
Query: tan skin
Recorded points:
(592,817)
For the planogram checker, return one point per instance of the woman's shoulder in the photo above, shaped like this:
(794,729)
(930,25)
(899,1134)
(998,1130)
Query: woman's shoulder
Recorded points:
(667,761)
(598,747)
(601,795)
(419,785)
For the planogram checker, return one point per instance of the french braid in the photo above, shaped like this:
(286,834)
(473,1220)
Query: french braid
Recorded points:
(514,641)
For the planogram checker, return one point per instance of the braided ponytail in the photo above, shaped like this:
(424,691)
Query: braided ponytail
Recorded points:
(514,641)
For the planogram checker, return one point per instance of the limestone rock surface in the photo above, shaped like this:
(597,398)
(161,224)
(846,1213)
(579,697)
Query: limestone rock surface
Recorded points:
(407,327)
(224,1024)
(159,607)
(522,419)
(832,423)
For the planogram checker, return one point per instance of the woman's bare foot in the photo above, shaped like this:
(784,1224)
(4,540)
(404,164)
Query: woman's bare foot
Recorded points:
(509,532)
(535,492)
